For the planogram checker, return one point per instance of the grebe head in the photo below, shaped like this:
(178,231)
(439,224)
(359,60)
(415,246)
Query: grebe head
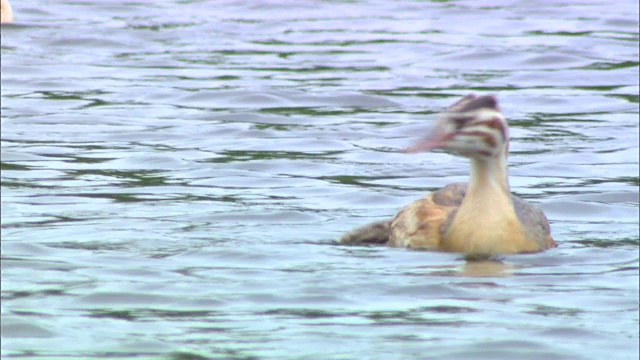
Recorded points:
(472,127)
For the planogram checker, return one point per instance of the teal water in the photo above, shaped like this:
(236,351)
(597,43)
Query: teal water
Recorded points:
(175,175)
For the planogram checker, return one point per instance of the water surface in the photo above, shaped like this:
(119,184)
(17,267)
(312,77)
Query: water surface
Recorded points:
(175,175)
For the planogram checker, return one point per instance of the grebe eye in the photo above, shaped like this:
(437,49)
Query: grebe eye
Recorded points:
(461,121)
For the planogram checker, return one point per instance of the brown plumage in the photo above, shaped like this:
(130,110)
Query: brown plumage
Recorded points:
(481,218)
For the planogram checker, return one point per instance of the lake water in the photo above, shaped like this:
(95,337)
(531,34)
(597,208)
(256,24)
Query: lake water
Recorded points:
(175,175)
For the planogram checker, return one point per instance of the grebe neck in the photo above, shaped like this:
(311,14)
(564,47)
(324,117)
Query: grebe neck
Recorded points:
(489,175)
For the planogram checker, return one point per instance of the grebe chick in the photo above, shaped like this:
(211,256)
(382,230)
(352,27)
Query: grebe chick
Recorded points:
(481,218)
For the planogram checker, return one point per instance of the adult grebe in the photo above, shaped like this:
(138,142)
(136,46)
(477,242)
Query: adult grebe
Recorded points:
(481,218)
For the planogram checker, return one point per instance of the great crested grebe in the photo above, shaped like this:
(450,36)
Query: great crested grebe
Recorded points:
(481,218)
(6,13)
